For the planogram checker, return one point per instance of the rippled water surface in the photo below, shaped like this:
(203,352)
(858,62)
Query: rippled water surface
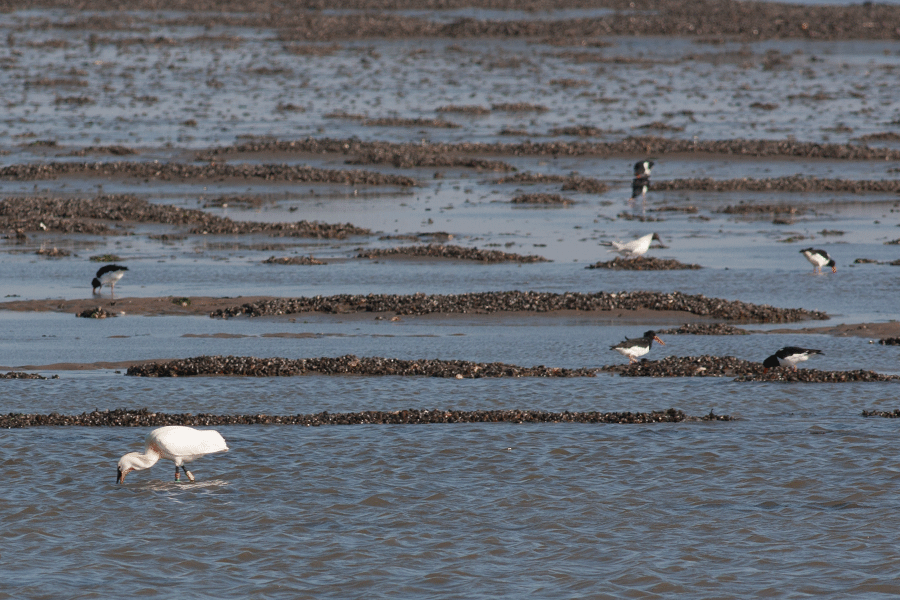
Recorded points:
(781,504)
(796,497)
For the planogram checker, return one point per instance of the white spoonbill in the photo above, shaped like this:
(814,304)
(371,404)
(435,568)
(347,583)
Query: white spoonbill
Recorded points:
(177,443)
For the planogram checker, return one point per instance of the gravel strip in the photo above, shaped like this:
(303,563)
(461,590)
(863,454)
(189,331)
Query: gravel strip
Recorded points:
(643,263)
(492,302)
(687,366)
(762,209)
(368,19)
(570,183)
(630,146)
(293,260)
(741,370)
(79,215)
(212,171)
(893,414)
(21,375)
(145,418)
(792,183)
(450,251)
(249,366)
(542,200)
(704,329)
(96,313)
(788,375)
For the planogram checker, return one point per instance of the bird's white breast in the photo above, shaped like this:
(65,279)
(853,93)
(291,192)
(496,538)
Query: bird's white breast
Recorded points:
(634,351)
(111,277)
(793,359)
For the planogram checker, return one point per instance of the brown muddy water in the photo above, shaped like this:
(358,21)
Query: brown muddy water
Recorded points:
(180,144)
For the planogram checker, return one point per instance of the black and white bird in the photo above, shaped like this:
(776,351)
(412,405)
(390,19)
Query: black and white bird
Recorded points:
(641,182)
(819,259)
(642,168)
(789,357)
(634,248)
(636,347)
(108,275)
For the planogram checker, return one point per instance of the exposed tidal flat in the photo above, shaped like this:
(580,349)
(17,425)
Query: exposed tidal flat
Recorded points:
(389,216)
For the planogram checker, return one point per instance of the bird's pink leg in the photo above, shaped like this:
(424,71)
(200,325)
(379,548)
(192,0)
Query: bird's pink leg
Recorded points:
(177,474)
(190,476)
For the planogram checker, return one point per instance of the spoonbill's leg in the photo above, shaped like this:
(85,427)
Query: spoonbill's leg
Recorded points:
(186,472)
(177,474)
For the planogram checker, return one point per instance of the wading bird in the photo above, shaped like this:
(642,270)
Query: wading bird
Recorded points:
(108,275)
(819,259)
(641,182)
(788,357)
(638,346)
(176,443)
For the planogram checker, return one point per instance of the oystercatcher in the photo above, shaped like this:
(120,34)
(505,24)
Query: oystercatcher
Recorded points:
(819,259)
(634,248)
(788,357)
(642,168)
(639,187)
(637,346)
(108,275)
(641,182)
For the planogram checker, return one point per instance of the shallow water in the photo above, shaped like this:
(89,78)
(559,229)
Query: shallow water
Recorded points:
(784,506)
(796,497)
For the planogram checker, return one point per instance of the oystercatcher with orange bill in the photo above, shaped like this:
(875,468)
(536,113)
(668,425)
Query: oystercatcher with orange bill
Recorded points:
(819,259)
(788,356)
(108,275)
(637,347)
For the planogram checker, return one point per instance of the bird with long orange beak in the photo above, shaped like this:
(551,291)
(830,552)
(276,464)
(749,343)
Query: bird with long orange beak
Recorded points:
(636,347)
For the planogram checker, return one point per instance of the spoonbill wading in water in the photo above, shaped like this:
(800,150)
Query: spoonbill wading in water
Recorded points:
(176,443)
